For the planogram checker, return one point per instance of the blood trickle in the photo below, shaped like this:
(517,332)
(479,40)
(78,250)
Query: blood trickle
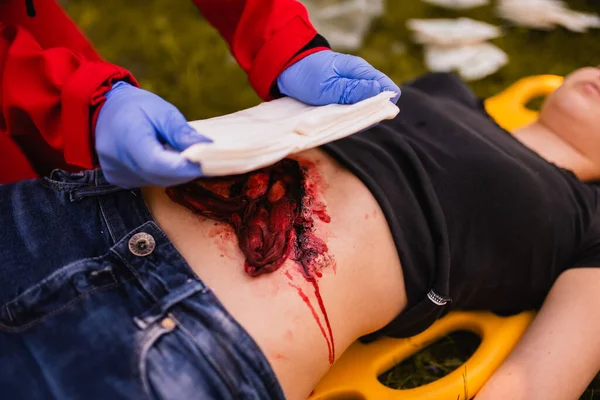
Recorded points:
(272,212)
(327,335)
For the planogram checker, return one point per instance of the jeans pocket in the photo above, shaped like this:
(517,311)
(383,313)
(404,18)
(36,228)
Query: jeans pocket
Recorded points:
(57,292)
(172,366)
(175,359)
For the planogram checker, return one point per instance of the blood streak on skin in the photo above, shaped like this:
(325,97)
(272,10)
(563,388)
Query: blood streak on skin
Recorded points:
(304,297)
(272,212)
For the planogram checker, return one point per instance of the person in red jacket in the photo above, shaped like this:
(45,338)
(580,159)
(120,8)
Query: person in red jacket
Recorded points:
(62,106)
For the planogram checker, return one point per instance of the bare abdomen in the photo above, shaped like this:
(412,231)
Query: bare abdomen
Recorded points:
(301,321)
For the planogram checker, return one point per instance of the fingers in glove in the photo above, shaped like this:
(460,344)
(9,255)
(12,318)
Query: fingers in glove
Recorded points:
(175,130)
(160,166)
(352,67)
(350,91)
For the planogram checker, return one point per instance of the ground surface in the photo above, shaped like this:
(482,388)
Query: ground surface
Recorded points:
(176,54)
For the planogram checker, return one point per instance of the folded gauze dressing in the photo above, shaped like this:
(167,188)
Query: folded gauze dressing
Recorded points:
(260,136)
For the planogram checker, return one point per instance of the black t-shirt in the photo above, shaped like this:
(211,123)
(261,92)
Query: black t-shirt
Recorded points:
(480,221)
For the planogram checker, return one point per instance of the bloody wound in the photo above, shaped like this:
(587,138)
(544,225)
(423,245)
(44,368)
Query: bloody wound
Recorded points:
(272,216)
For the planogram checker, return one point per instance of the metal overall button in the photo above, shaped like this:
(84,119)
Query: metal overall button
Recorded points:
(141,244)
(168,323)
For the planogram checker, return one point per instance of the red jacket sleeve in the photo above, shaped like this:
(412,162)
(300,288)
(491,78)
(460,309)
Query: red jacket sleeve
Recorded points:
(51,92)
(265,36)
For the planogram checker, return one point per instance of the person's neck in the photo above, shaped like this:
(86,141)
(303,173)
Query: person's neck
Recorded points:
(552,147)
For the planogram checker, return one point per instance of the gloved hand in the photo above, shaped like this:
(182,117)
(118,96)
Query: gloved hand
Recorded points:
(328,77)
(132,129)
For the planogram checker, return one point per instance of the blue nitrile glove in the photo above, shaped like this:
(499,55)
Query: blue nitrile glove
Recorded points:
(328,77)
(134,131)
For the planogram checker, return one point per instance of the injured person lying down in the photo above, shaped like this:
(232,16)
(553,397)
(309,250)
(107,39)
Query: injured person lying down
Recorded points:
(251,286)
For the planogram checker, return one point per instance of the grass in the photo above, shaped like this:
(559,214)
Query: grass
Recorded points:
(173,52)
(443,357)
(433,363)
(176,54)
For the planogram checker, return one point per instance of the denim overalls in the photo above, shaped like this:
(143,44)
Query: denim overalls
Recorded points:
(96,303)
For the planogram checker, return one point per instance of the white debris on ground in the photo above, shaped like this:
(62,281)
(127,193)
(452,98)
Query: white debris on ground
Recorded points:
(459,45)
(546,14)
(343,22)
(472,62)
(458,4)
(452,32)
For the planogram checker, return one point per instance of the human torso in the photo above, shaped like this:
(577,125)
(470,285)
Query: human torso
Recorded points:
(513,221)
(361,289)
(480,220)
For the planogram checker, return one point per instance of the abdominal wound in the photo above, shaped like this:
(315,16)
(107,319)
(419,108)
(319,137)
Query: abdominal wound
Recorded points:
(272,212)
